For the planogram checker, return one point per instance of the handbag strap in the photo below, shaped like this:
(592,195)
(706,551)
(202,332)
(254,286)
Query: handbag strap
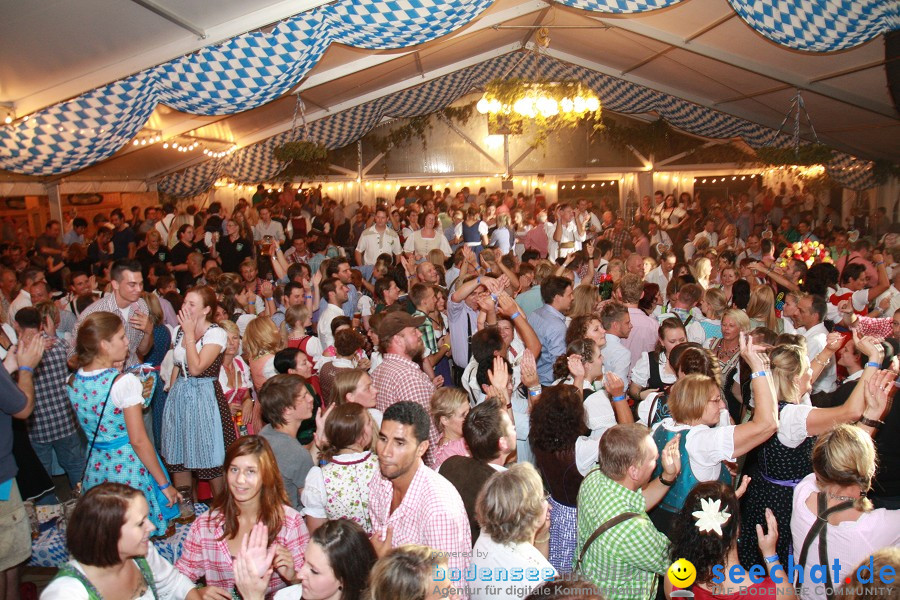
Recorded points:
(609,524)
(87,457)
(820,527)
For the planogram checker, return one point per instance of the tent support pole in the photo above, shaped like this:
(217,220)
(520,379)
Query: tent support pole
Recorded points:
(360,173)
(55,201)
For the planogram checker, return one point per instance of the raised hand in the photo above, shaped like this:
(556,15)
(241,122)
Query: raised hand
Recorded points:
(499,375)
(870,346)
(613,385)
(834,341)
(141,321)
(742,486)
(671,458)
(576,366)
(878,393)
(528,370)
(508,306)
(754,355)
(188,323)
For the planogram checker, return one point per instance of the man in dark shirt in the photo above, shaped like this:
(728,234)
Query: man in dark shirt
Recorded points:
(123,239)
(232,248)
(491,437)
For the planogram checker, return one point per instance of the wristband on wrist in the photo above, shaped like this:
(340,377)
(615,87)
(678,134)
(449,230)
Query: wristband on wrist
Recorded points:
(872,363)
(874,423)
(534,391)
(309,296)
(758,374)
(24,368)
(772,559)
(269,299)
(618,398)
(513,316)
(665,482)
(167,485)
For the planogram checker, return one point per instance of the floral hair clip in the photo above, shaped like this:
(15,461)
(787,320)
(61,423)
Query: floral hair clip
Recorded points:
(710,518)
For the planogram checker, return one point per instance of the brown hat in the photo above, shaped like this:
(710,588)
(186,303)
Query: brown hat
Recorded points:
(397,321)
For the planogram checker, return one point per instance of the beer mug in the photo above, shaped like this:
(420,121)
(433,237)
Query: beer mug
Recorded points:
(185,505)
(267,245)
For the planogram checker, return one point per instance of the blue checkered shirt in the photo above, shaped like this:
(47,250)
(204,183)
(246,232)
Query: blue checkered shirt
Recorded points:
(53,417)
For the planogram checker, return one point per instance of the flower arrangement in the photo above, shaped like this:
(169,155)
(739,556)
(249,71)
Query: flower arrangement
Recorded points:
(605,285)
(807,251)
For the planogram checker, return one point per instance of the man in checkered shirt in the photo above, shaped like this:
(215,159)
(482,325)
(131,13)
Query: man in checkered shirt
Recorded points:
(408,502)
(399,377)
(52,425)
(125,301)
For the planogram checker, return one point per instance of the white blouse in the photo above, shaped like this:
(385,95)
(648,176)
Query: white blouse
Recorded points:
(126,391)
(170,583)
(213,335)
(707,446)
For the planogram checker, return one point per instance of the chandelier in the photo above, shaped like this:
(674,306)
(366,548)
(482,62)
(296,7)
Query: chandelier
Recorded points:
(538,99)
(552,102)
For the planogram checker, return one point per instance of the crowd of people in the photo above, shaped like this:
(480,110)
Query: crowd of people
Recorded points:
(446,394)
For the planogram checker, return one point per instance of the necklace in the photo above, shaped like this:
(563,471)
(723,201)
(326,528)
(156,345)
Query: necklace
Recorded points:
(843,498)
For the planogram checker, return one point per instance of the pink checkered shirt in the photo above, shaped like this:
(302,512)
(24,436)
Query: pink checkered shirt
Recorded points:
(205,555)
(397,379)
(878,327)
(431,514)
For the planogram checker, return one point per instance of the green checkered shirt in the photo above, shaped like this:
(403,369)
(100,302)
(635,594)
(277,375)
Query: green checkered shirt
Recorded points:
(625,560)
(427,330)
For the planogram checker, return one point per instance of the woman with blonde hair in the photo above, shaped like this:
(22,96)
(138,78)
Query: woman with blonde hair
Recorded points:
(234,377)
(356,386)
(586,298)
(761,309)
(830,503)
(409,572)
(449,408)
(515,527)
(261,341)
(339,489)
(784,459)
(713,305)
(727,347)
(701,269)
(707,439)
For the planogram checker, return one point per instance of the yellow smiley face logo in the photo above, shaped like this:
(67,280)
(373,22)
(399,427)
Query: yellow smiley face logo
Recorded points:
(682,573)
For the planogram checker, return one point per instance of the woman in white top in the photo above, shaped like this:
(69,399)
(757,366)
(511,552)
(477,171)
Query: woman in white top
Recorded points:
(784,459)
(109,407)
(424,240)
(340,488)
(671,216)
(197,424)
(515,533)
(234,377)
(108,536)
(708,441)
(653,370)
(843,461)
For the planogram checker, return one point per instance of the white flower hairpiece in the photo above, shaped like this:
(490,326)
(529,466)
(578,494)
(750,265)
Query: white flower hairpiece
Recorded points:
(710,518)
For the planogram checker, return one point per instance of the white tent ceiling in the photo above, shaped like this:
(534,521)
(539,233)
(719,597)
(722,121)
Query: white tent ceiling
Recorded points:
(700,50)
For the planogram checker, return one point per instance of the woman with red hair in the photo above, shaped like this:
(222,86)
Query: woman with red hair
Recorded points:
(254,494)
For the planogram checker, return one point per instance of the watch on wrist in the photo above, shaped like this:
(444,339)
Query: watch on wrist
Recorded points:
(875,423)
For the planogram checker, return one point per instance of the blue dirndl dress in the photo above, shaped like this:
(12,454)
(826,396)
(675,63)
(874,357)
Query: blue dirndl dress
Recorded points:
(112,457)
(197,424)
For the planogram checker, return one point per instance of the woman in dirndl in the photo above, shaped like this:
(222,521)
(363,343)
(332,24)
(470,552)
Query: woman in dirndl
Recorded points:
(109,407)
(197,424)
